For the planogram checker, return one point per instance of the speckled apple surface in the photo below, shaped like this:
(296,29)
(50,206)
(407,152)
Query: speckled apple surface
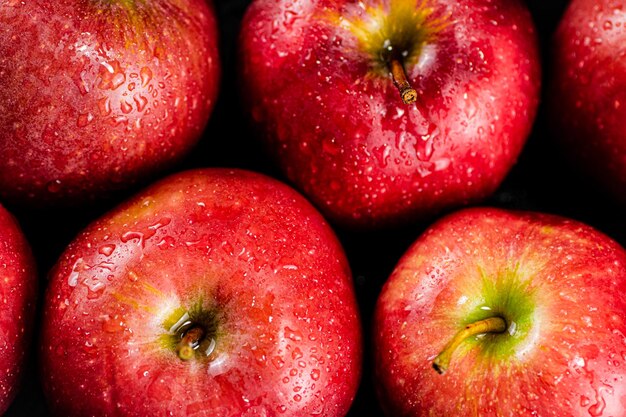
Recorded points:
(588,90)
(558,284)
(316,80)
(18,283)
(243,257)
(97,95)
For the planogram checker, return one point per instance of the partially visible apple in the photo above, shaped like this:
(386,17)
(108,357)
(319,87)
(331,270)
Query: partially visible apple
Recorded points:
(18,283)
(588,90)
(97,95)
(383,111)
(524,314)
(212,293)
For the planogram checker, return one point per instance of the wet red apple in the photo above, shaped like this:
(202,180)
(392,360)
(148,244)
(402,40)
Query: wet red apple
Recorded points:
(522,313)
(588,90)
(97,95)
(212,293)
(383,111)
(18,282)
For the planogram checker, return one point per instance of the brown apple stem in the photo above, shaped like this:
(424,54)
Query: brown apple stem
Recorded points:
(188,344)
(490,325)
(408,94)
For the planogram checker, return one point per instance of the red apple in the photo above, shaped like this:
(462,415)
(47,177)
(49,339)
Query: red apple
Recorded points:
(18,284)
(588,92)
(326,80)
(96,95)
(212,293)
(524,312)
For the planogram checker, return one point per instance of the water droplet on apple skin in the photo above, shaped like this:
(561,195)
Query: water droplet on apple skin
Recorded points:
(54,186)
(597,409)
(107,250)
(133,236)
(84,119)
(126,107)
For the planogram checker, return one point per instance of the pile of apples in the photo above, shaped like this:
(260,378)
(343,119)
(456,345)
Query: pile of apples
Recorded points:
(394,207)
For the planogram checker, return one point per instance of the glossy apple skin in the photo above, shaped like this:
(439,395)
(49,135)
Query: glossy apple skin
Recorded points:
(99,95)
(588,91)
(573,365)
(346,139)
(264,255)
(18,295)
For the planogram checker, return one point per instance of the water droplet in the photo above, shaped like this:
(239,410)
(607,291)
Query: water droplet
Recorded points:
(166,242)
(161,223)
(442,164)
(294,335)
(399,113)
(118,120)
(84,119)
(597,409)
(315,374)
(95,287)
(54,186)
(81,84)
(128,236)
(79,266)
(111,75)
(104,105)
(72,279)
(140,101)
(297,397)
(382,153)
(107,250)
(146,76)
(296,354)
(259,356)
(126,107)
(95,290)
(425,147)
(132,276)
(278,362)
(89,346)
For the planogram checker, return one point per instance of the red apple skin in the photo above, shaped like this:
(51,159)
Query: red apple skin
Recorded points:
(572,365)
(345,138)
(18,293)
(588,91)
(96,96)
(252,246)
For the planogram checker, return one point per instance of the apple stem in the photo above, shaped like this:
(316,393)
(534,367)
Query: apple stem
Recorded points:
(189,343)
(398,73)
(490,325)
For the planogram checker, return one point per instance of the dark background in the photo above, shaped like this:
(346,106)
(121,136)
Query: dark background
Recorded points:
(541,181)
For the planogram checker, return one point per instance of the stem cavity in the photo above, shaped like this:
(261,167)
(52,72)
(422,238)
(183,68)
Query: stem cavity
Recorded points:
(490,325)
(190,342)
